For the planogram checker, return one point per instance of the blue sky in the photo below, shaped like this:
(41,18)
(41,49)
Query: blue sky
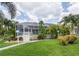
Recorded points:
(48,12)
(65,6)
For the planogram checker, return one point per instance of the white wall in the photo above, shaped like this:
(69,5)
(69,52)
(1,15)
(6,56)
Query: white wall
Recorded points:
(26,38)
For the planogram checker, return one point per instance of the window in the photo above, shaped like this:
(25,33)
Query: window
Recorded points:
(26,29)
(35,31)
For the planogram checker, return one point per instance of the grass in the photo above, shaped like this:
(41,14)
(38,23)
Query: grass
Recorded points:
(43,48)
(3,44)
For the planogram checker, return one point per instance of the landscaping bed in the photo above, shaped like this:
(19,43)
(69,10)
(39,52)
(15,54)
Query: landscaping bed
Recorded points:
(5,43)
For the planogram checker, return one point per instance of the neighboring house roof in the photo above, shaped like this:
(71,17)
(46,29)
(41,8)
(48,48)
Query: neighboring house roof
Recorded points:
(32,24)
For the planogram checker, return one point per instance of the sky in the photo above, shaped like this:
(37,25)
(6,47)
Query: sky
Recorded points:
(49,12)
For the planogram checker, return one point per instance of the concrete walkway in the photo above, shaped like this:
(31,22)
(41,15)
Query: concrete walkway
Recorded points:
(4,48)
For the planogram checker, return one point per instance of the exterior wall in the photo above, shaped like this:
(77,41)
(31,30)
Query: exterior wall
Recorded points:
(28,31)
(26,38)
(75,31)
(34,37)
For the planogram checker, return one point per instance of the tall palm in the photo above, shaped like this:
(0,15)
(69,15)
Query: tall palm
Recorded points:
(11,8)
(1,23)
(72,21)
(10,27)
(4,22)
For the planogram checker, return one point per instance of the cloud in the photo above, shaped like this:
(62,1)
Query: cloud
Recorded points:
(18,13)
(64,14)
(40,10)
(72,3)
(74,8)
(32,18)
(6,14)
(20,20)
(47,9)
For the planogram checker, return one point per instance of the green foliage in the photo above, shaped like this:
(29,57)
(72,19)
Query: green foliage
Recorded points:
(42,30)
(56,30)
(7,27)
(72,21)
(53,31)
(63,30)
(41,36)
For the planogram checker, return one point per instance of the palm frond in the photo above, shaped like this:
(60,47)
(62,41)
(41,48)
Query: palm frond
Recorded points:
(11,8)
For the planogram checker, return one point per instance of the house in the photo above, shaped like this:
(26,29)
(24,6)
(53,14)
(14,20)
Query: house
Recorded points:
(28,30)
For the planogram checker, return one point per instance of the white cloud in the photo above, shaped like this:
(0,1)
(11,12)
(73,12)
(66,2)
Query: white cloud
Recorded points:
(50,16)
(6,14)
(18,13)
(74,8)
(40,10)
(72,3)
(45,10)
(20,20)
(48,8)
(32,18)
(64,14)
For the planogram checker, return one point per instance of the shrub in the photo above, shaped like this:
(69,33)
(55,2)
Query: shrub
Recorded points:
(63,40)
(41,37)
(67,39)
(71,39)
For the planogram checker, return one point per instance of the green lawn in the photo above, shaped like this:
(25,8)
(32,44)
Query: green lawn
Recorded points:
(43,48)
(3,44)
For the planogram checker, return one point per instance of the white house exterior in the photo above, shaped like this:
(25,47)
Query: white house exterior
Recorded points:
(28,30)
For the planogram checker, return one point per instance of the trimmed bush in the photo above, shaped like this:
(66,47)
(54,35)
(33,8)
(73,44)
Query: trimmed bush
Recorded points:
(40,37)
(63,40)
(67,39)
(71,39)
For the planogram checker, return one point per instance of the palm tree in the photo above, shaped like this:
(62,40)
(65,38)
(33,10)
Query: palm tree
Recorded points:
(4,22)
(42,30)
(72,21)
(1,23)
(12,11)
(11,8)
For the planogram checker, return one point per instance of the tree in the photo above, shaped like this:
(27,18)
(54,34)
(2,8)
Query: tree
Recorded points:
(1,23)
(11,8)
(42,30)
(72,21)
(63,30)
(6,25)
(53,31)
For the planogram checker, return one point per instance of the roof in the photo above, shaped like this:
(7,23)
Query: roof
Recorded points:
(32,23)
